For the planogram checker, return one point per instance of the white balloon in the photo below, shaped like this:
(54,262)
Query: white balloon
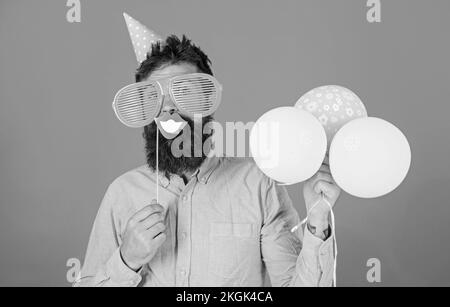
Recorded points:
(369,157)
(288,144)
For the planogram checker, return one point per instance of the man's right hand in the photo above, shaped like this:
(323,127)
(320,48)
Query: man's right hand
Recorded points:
(144,234)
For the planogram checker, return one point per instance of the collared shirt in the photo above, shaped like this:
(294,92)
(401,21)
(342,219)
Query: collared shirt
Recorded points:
(228,226)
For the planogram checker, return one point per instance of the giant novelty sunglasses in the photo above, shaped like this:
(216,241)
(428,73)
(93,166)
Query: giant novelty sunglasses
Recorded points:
(138,104)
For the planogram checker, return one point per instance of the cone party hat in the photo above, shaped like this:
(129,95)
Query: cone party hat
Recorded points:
(141,37)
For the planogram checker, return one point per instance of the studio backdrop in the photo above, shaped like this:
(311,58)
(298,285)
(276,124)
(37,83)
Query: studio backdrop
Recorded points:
(61,145)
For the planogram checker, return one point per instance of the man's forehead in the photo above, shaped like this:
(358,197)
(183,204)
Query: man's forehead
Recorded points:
(172,70)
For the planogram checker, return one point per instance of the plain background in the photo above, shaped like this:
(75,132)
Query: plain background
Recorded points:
(60,144)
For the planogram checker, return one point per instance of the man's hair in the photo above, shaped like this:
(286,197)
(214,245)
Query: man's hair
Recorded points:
(173,51)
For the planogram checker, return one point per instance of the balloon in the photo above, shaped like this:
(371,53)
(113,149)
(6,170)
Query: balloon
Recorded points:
(288,144)
(333,106)
(369,157)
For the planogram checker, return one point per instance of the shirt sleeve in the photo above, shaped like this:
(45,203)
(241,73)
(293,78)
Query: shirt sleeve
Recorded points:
(292,258)
(103,265)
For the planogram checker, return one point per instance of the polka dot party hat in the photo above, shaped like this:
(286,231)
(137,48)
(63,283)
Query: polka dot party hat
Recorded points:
(333,106)
(141,37)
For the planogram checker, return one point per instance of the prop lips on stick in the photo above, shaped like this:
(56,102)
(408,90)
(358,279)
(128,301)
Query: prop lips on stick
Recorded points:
(131,105)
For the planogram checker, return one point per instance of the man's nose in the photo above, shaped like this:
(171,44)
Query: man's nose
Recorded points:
(168,106)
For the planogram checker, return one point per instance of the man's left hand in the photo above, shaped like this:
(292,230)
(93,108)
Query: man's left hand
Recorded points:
(322,183)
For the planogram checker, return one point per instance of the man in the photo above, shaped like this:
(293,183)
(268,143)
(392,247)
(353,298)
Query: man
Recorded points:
(219,221)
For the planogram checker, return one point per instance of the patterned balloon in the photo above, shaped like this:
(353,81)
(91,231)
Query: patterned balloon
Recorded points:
(333,106)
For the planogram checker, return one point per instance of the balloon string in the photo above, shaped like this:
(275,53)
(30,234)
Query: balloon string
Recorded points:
(157,166)
(333,230)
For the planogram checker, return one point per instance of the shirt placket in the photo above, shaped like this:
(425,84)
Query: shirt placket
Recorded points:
(184,231)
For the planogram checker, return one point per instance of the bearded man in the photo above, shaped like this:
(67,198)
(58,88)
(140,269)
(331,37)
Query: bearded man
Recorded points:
(219,221)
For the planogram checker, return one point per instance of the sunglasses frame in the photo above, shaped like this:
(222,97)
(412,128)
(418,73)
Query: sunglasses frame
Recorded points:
(161,94)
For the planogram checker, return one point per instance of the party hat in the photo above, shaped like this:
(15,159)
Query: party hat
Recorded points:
(141,37)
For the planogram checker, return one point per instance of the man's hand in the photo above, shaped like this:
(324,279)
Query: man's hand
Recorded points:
(144,234)
(321,182)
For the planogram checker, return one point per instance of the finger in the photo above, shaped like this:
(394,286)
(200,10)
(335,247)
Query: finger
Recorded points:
(147,211)
(322,176)
(155,230)
(324,187)
(159,239)
(151,220)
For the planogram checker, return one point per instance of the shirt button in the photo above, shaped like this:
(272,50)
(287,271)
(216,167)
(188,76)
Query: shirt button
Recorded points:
(183,235)
(185,198)
(183,272)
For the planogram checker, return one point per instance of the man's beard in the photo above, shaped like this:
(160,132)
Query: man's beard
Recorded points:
(169,164)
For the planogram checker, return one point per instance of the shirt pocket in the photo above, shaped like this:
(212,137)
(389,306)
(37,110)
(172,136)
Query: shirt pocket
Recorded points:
(231,246)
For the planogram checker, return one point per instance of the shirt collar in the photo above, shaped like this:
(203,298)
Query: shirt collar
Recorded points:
(208,167)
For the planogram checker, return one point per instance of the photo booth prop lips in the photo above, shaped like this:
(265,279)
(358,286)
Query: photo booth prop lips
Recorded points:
(170,125)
